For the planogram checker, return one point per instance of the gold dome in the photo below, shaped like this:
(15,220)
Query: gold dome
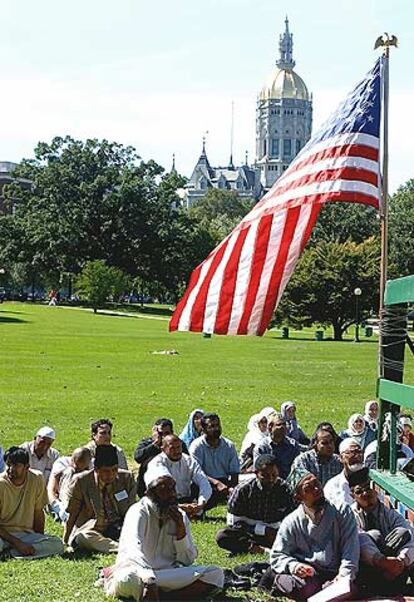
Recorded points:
(284,83)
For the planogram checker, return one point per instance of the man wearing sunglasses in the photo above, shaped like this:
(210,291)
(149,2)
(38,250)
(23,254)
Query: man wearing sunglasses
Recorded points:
(386,539)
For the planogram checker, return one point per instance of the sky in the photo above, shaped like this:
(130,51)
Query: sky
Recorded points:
(158,75)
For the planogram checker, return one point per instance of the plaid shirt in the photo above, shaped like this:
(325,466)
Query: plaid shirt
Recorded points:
(251,503)
(322,470)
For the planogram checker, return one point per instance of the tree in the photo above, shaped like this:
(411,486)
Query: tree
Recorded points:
(321,289)
(89,200)
(219,211)
(401,223)
(98,282)
(339,222)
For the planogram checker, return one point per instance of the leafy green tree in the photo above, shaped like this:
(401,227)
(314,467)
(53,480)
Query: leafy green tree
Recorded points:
(219,211)
(89,200)
(339,222)
(95,200)
(401,224)
(321,289)
(98,282)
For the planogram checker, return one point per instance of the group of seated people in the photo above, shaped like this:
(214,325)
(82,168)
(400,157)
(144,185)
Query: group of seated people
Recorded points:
(305,501)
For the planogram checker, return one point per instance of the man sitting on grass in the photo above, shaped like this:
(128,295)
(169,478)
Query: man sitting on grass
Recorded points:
(337,489)
(22,500)
(97,503)
(386,538)
(315,545)
(156,550)
(255,510)
(192,486)
(149,447)
(321,460)
(278,444)
(41,453)
(218,459)
(101,432)
(63,472)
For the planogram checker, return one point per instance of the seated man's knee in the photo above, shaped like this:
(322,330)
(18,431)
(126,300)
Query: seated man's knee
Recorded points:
(376,536)
(127,584)
(55,546)
(267,580)
(82,540)
(398,537)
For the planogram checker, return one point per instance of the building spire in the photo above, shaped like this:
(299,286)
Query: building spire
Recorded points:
(285,60)
(173,169)
(231,164)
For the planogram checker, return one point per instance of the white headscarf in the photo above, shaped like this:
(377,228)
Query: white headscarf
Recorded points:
(254,435)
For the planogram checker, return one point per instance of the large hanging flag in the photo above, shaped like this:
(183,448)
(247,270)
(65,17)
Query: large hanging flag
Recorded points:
(237,287)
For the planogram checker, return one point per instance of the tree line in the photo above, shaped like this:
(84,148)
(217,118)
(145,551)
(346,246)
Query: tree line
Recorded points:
(96,203)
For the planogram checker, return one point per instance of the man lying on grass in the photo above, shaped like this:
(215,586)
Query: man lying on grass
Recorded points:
(23,497)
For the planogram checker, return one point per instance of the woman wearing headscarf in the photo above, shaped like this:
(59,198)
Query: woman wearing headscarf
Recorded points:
(293,430)
(359,430)
(192,429)
(371,414)
(256,433)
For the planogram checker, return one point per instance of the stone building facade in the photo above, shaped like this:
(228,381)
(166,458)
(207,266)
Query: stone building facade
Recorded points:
(283,126)
(283,115)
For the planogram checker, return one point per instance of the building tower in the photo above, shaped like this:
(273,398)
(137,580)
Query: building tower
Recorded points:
(283,115)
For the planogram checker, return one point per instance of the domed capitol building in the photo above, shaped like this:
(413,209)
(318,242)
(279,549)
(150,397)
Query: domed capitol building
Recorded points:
(283,126)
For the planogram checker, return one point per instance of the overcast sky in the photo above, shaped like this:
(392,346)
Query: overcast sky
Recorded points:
(159,74)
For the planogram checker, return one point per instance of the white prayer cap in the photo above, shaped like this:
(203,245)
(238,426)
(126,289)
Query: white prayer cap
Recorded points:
(347,443)
(46,431)
(405,421)
(155,472)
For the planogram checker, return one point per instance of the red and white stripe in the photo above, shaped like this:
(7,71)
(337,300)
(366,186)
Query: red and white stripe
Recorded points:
(236,289)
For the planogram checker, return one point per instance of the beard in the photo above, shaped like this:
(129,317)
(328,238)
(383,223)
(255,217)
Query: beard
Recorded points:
(319,503)
(355,467)
(163,507)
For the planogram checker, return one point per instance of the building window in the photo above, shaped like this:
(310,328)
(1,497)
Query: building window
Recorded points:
(264,147)
(203,184)
(238,185)
(287,147)
(298,145)
(275,147)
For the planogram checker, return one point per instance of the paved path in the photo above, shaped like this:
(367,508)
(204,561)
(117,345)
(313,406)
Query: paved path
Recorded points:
(114,312)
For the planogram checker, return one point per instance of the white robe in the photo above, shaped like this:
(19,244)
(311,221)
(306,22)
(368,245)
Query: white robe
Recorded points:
(150,553)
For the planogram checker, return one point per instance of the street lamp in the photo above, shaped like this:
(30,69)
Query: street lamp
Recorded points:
(357,293)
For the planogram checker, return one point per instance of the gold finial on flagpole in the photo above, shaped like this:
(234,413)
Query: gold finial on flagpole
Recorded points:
(385,41)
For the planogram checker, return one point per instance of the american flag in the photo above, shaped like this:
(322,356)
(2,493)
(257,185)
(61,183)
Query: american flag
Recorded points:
(236,289)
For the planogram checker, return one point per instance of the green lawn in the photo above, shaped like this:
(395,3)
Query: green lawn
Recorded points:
(66,367)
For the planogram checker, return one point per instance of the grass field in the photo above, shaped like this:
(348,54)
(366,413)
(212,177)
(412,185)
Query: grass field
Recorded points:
(65,367)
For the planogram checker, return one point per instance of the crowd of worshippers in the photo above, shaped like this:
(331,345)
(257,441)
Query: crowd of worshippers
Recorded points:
(306,503)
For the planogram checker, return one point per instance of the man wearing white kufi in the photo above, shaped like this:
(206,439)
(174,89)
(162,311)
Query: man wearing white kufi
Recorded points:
(156,550)
(337,490)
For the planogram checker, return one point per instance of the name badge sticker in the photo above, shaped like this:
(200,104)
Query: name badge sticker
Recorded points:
(121,495)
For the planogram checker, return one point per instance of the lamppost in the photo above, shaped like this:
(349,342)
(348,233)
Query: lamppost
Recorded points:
(357,293)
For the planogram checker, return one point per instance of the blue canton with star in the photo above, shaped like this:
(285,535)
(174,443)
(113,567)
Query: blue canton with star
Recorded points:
(359,112)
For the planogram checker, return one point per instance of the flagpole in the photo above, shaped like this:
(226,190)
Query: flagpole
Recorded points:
(384,42)
(389,353)
(384,199)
